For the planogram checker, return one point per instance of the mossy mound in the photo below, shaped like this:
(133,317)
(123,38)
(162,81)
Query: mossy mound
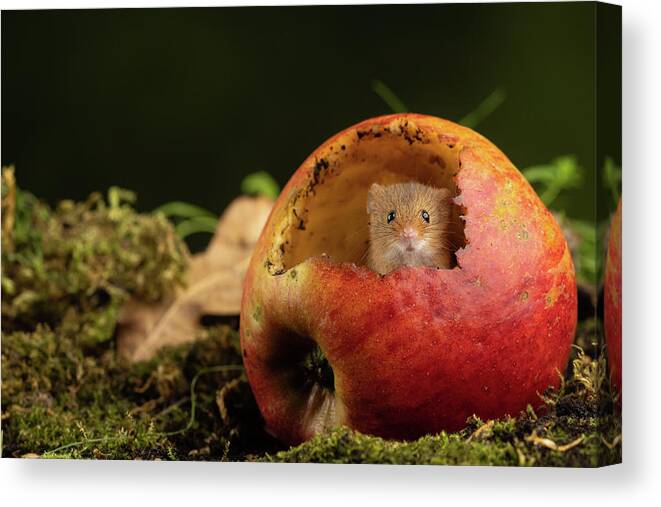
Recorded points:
(66,393)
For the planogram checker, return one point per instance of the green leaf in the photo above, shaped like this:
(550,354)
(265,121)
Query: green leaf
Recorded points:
(195,225)
(485,109)
(183,210)
(550,180)
(588,263)
(539,173)
(612,178)
(260,183)
(388,96)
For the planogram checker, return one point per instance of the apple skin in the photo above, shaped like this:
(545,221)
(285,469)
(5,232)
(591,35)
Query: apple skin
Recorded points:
(613,299)
(418,350)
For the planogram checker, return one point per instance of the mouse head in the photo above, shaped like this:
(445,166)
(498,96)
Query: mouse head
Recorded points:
(408,218)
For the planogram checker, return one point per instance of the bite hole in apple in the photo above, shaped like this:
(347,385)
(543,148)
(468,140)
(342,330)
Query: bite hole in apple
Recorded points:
(303,375)
(327,216)
(317,370)
(301,361)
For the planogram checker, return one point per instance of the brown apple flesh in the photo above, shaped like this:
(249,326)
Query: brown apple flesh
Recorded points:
(418,350)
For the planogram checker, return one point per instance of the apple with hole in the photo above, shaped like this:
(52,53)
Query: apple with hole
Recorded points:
(327,341)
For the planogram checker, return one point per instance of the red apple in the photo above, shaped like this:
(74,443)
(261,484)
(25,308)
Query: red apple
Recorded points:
(613,299)
(327,341)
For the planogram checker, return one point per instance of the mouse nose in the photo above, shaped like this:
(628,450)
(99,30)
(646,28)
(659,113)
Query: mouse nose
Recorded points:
(409,234)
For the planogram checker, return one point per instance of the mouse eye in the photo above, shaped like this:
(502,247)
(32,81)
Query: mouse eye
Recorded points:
(391,216)
(425,216)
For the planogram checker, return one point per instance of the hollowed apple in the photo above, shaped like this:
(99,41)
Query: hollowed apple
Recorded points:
(613,299)
(327,341)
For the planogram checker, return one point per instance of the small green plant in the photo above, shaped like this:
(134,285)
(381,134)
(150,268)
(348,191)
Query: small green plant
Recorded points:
(492,102)
(612,176)
(562,173)
(192,219)
(260,183)
(588,265)
(388,96)
(189,218)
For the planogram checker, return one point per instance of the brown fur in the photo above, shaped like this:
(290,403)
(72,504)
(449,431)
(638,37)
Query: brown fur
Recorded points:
(408,200)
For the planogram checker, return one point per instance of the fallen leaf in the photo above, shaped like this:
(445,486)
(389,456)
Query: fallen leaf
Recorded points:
(214,285)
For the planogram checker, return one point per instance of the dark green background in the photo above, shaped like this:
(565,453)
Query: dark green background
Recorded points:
(180,104)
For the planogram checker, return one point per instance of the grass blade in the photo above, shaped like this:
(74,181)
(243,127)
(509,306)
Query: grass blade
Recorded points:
(481,112)
(260,183)
(183,210)
(195,225)
(388,96)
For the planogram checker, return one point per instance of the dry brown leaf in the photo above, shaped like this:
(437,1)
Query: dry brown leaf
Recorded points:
(214,284)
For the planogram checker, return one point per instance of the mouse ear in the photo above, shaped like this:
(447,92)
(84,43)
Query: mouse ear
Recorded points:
(373,194)
(443,197)
(442,194)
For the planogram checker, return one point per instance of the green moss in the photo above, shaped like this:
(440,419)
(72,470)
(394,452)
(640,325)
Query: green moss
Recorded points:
(65,393)
(82,256)
(343,445)
(55,395)
(59,401)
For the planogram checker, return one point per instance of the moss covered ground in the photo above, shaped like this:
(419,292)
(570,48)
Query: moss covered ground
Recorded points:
(67,394)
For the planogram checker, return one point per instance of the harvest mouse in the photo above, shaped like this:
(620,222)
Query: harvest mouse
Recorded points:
(407,226)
